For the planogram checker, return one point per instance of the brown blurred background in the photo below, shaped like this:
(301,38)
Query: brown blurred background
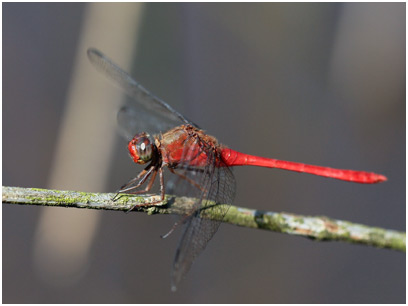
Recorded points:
(315,83)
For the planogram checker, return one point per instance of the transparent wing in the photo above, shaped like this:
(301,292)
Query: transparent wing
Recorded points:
(210,185)
(146,103)
(132,120)
(217,186)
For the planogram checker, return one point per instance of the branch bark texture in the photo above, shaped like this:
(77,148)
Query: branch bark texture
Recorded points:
(319,228)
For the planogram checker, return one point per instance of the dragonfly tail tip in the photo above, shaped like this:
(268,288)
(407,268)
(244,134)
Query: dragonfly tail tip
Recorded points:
(380,178)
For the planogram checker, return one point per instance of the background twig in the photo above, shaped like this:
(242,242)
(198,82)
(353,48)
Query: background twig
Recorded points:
(318,228)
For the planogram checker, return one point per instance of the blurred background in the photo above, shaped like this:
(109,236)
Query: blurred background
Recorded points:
(316,83)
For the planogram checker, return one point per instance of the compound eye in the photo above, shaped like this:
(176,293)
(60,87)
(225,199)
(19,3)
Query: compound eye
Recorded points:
(144,149)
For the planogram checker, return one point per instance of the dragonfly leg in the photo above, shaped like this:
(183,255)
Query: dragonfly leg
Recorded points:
(179,222)
(142,177)
(188,215)
(162,189)
(149,186)
(147,189)
(141,182)
(133,180)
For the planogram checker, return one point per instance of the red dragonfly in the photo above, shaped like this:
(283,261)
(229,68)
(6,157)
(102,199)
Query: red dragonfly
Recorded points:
(201,165)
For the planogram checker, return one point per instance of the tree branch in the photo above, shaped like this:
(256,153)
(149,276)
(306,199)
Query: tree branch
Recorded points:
(318,228)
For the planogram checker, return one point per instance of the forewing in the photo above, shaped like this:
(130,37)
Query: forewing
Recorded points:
(133,120)
(215,196)
(145,102)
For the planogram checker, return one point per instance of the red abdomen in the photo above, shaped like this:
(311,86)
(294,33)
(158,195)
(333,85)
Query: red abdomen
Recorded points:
(234,158)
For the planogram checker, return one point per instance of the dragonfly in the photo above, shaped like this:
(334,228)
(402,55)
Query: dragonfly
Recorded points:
(162,138)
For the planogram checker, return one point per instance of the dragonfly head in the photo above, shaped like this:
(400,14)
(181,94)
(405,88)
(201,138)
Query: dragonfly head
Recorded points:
(141,148)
